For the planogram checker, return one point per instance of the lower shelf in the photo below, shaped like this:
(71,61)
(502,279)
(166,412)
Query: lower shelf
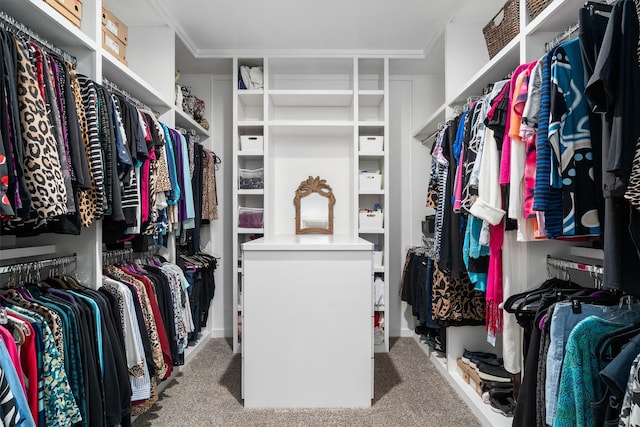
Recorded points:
(481,410)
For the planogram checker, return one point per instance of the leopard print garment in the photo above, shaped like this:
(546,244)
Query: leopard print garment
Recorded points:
(87,198)
(454,298)
(43,174)
(149,320)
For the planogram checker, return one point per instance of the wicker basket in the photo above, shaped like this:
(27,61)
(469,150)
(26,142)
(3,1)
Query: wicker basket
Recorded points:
(534,7)
(504,26)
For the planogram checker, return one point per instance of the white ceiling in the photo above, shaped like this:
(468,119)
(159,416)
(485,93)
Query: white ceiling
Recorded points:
(215,29)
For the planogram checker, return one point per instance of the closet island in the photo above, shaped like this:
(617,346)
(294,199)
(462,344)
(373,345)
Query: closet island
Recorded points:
(299,293)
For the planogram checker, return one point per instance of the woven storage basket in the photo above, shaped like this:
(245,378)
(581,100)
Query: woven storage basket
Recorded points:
(504,26)
(534,7)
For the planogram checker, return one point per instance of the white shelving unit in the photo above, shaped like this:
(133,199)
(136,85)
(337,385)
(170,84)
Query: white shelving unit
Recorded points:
(310,113)
(463,42)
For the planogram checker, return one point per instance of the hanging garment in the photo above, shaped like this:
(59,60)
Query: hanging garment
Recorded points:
(42,167)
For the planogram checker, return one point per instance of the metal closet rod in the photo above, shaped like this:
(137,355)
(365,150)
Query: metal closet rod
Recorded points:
(9,23)
(117,254)
(48,262)
(565,264)
(108,84)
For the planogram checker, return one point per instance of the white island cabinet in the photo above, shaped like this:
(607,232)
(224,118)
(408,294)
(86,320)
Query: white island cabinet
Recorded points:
(307,335)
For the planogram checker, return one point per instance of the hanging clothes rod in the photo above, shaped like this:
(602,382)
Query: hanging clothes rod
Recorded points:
(9,23)
(108,257)
(426,140)
(562,37)
(57,261)
(565,264)
(109,85)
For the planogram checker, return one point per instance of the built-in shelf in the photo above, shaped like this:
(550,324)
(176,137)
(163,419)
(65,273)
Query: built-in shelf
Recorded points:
(48,22)
(311,98)
(372,123)
(371,153)
(556,17)
(254,97)
(496,69)
(249,153)
(251,192)
(480,409)
(186,121)
(430,126)
(32,251)
(309,114)
(585,252)
(250,123)
(370,98)
(371,231)
(250,230)
(127,80)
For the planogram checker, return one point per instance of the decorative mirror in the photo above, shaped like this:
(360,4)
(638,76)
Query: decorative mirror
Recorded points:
(314,202)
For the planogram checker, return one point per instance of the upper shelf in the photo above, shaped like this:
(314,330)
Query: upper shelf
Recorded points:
(187,122)
(311,98)
(127,80)
(430,126)
(49,24)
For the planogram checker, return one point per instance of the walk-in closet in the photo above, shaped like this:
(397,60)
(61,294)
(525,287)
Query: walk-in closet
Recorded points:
(319,213)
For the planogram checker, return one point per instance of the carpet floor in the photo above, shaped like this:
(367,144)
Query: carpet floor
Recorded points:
(409,391)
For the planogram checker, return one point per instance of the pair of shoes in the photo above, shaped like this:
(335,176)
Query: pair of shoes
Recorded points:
(505,406)
(490,385)
(472,358)
(490,372)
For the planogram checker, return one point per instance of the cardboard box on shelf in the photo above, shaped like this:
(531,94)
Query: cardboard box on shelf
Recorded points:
(114,46)
(70,9)
(111,23)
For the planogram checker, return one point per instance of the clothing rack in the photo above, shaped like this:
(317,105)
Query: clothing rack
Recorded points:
(470,101)
(9,23)
(109,85)
(562,37)
(424,141)
(564,264)
(116,255)
(39,264)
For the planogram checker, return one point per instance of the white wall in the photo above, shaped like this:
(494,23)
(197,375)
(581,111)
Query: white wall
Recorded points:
(411,99)
(219,242)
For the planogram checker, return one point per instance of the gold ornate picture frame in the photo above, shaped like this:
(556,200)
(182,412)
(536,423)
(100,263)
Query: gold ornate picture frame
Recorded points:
(306,188)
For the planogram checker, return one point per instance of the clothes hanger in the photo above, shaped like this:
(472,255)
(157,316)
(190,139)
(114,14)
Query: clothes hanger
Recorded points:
(598,7)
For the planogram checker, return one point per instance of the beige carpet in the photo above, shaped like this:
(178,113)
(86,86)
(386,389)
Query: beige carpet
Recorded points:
(409,391)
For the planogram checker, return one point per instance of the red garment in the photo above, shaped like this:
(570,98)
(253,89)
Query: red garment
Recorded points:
(29,363)
(494,279)
(6,336)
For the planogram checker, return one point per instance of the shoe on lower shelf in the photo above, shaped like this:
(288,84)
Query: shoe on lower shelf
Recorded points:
(488,372)
(505,406)
(472,358)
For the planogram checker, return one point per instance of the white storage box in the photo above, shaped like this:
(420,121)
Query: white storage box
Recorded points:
(251,142)
(370,181)
(250,217)
(371,219)
(371,143)
(377,258)
(251,179)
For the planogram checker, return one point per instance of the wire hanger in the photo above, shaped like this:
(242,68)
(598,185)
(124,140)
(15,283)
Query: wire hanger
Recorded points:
(21,31)
(109,85)
(562,37)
